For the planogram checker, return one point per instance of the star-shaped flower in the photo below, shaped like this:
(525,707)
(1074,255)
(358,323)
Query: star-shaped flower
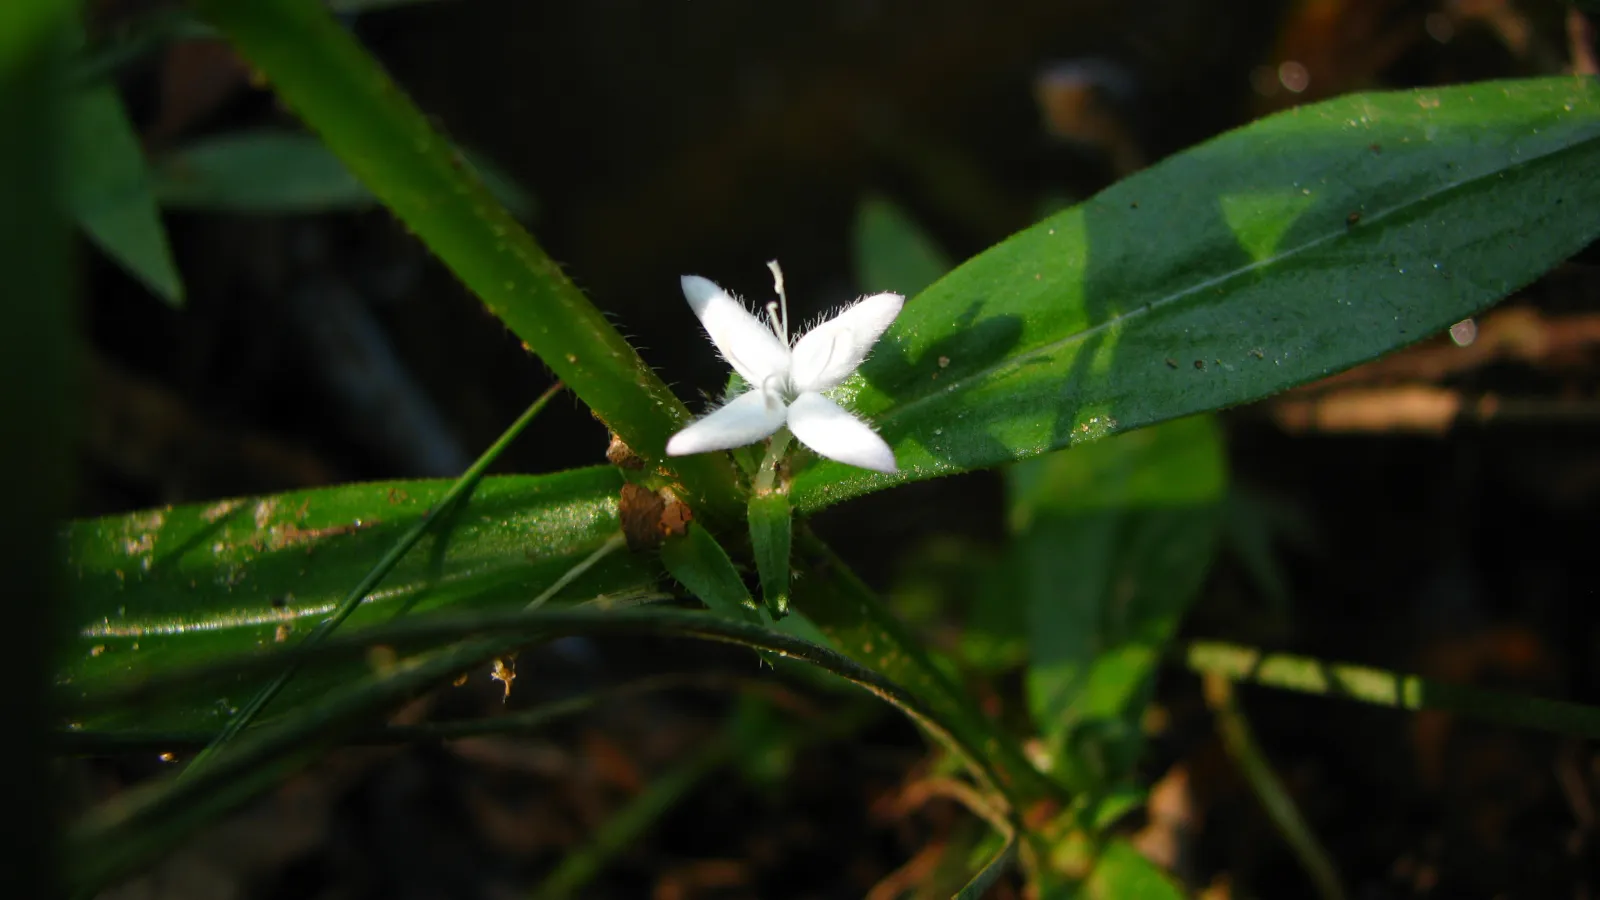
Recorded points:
(787,381)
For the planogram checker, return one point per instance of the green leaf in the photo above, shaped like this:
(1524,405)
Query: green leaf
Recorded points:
(986,877)
(108,191)
(321,72)
(1291,248)
(771,524)
(1112,541)
(259,172)
(893,253)
(165,588)
(701,565)
(1122,873)
(275,171)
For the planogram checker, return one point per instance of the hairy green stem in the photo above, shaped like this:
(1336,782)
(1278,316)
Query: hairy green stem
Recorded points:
(321,72)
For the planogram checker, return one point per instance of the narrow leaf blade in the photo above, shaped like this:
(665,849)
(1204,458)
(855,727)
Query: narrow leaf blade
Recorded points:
(699,562)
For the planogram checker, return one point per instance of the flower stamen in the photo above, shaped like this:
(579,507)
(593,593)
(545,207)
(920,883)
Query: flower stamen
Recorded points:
(783,298)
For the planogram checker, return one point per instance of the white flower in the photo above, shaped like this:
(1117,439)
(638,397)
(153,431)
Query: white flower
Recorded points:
(787,382)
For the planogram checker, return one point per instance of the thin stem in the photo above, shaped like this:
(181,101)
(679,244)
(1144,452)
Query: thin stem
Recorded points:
(1240,740)
(376,574)
(321,72)
(624,829)
(611,545)
(101,743)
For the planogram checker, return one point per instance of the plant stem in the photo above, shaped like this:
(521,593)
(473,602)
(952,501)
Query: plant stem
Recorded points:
(321,72)
(1240,740)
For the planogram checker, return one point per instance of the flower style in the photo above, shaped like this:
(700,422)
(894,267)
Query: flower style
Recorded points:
(787,380)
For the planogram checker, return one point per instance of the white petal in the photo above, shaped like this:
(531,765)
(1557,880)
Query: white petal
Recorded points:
(745,419)
(827,428)
(744,340)
(831,351)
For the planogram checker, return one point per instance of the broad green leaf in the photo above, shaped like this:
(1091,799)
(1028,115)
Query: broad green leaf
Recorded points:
(701,565)
(771,524)
(1112,541)
(1291,248)
(893,253)
(108,190)
(165,588)
(320,71)
(275,171)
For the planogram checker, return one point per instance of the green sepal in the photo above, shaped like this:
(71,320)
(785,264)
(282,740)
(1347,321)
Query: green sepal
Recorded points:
(701,565)
(771,521)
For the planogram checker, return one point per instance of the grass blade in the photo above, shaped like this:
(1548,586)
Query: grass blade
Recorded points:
(1240,740)
(1380,687)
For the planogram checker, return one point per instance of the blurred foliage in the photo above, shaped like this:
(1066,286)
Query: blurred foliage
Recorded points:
(109,190)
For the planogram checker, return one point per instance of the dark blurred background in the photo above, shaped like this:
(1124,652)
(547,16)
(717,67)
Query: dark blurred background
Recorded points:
(1434,512)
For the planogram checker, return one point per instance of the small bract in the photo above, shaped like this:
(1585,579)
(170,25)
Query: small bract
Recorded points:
(787,380)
